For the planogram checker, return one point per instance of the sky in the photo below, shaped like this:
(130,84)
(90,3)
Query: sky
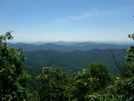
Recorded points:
(67,20)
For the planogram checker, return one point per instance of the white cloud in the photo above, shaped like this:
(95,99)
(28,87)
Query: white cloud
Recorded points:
(90,13)
(120,11)
(26,35)
(78,17)
(108,12)
(18,35)
(73,18)
(62,20)
(12,34)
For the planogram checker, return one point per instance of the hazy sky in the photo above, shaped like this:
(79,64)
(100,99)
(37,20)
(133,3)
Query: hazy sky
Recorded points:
(67,20)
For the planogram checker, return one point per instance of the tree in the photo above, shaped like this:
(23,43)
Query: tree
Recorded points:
(130,51)
(123,89)
(12,75)
(83,85)
(127,70)
(54,85)
(100,71)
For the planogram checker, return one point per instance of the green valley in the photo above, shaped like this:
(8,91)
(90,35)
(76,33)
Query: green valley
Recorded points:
(75,60)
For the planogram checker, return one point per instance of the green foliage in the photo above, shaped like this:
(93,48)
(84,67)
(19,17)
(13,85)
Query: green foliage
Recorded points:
(130,51)
(100,71)
(83,84)
(127,70)
(12,76)
(54,85)
(32,84)
(93,97)
(122,90)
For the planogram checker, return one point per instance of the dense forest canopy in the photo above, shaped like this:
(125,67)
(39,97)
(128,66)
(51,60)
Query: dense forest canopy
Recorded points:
(94,83)
(75,60)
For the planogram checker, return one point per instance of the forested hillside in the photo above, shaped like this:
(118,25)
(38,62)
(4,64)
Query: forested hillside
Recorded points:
(75,60)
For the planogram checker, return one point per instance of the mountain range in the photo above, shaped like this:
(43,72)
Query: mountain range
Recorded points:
(74,60)
(70,46)
(74,56)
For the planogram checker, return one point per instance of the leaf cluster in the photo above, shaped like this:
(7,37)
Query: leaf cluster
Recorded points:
(12,75)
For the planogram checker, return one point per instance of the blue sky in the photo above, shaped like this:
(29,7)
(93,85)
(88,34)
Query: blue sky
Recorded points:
(67,20)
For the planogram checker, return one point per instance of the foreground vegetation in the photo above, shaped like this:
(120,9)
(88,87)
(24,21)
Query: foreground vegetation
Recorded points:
(93,84)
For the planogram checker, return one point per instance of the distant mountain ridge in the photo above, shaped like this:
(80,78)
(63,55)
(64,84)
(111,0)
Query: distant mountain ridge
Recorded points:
(66,47)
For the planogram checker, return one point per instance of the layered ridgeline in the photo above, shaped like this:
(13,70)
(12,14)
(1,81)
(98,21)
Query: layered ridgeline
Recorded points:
(65,47)
(72,55)
(74,60)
